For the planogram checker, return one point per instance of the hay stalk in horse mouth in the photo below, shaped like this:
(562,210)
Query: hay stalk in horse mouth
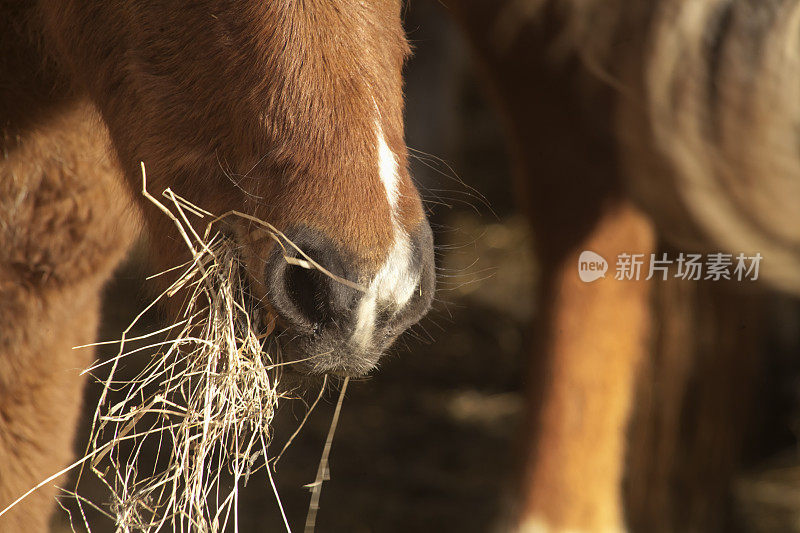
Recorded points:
(205,400)
(210,392)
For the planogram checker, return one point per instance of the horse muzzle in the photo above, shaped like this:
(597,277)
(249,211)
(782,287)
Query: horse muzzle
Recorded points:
(339,320)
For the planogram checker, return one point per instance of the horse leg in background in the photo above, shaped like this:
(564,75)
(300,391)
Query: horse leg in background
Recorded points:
(696,399)
(592,339)
(65,223)
(591,336)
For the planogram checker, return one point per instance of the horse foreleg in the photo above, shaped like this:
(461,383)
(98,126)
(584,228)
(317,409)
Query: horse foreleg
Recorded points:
(39,407)
(65,223)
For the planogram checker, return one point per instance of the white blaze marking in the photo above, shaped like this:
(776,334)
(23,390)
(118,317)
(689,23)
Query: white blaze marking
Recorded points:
(387,168)
(394,283)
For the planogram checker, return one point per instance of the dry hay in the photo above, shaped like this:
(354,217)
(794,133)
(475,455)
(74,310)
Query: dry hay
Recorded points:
(204,401)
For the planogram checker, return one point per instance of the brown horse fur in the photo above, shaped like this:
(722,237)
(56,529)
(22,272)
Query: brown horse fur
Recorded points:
(65,222)
(269,108)
(688,111)
(161,79)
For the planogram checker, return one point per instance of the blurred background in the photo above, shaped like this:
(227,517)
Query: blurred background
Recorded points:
(428,442)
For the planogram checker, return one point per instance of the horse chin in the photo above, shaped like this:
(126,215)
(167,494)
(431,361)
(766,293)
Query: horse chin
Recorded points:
(320,355)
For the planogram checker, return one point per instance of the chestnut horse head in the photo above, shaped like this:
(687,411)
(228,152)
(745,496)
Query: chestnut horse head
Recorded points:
(290,111)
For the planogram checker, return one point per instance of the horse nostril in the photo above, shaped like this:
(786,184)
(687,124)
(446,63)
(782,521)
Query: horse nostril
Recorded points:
(308,290)
(308,300)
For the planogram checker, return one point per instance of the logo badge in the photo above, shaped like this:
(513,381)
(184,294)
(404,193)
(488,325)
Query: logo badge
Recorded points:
(591,266)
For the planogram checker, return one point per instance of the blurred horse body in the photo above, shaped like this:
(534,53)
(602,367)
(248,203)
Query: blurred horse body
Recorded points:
(642,127)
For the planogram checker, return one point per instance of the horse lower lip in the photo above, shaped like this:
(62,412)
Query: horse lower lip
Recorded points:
(340,362)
